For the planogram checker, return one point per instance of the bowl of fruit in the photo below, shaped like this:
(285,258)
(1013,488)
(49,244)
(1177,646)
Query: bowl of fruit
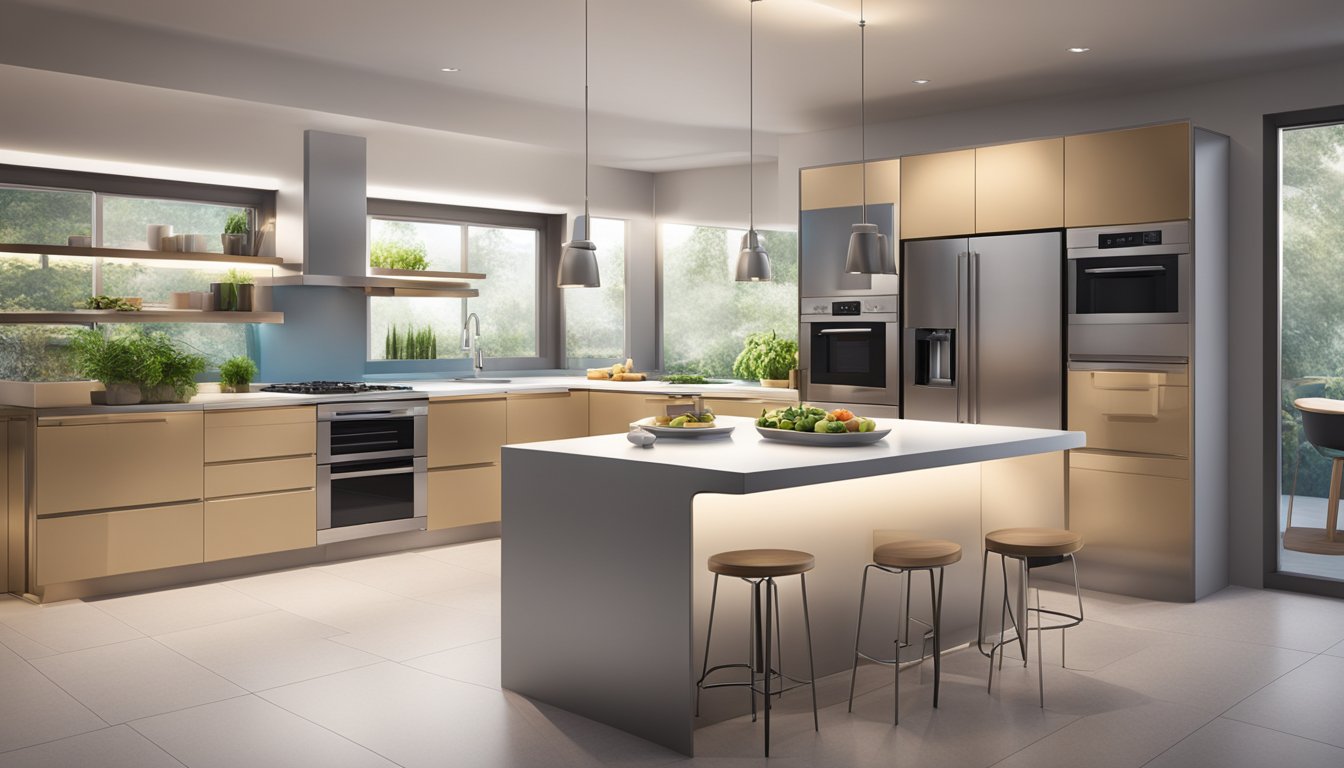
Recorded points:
(692,424)
(808,425)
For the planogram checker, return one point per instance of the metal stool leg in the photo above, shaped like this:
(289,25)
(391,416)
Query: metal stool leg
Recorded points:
(769,587)
(1024,634)
(709,634)
(779,645)
(937,599)
(811,666)
(858,632)
(900,618)
(754,645)
(1040,643)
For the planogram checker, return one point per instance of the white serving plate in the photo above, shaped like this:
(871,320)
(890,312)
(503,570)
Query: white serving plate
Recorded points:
(683,433)
(832,440)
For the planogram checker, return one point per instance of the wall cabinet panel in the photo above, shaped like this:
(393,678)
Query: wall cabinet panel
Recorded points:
(1019,186)
(1132,176)
(938,194)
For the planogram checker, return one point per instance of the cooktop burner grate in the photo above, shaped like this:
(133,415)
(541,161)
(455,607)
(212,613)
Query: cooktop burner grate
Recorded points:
(332,388)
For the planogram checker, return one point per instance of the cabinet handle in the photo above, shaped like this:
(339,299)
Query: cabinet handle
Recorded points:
(101,421)
(540,395)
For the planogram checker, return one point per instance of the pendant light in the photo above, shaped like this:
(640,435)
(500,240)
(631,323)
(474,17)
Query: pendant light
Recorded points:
(578,259)
(868,251)
(753,263)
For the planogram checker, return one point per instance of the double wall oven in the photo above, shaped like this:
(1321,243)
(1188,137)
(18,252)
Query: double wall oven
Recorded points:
(848,349)
(372,468)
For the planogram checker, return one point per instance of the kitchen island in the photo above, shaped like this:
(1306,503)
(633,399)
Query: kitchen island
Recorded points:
(605,589)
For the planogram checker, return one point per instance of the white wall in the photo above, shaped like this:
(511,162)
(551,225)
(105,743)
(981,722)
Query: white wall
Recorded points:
(718,197)
(1233,107)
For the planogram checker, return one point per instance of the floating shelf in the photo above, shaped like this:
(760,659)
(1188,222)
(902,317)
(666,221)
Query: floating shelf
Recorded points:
(132,253)
(420,274)
(378,286)
(89,316)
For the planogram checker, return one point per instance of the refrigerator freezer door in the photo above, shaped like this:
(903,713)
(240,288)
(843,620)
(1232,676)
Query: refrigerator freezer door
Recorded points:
(935,300)
(1017,328)
(823,244)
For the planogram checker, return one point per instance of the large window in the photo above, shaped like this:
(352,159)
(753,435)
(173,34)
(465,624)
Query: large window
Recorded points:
(1310,214)
(505,246)
(706,313)
(595,317)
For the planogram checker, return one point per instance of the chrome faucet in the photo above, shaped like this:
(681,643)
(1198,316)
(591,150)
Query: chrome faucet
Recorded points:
(471,342)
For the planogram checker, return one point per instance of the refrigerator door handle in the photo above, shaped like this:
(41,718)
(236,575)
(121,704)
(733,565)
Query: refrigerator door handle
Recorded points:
(975,337)
(963,374)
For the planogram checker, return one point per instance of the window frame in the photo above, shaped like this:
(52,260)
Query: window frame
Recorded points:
(549,229)
(578,363)
(1272,314)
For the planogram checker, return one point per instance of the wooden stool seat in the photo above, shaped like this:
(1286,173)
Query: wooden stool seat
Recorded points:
(1033,542)
(917,553)
(761,563)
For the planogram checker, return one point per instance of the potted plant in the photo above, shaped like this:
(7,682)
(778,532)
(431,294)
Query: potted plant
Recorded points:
(399,248)
(236,374)
(111,361)
(235,292)
(235,235)
(767,357)
(167,373)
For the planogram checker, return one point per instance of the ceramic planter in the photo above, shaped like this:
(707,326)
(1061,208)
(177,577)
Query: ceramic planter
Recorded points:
(240,389)
(229,297)
(235,244)
(116,394)
(777,383)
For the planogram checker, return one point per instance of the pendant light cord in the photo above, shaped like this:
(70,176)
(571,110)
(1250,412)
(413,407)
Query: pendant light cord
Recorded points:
(587,217)
(863,111)
(751,120)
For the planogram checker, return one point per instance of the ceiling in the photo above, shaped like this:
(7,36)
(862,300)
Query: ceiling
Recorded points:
(669,77)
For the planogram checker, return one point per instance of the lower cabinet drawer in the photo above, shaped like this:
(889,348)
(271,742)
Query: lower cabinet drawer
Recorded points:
(122,541)
(253,525)
(465,496)
(251,477)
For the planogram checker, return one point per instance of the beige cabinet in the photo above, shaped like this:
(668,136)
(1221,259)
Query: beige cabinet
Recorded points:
(537,416)
(749,407)
(466,430)
(96,544)
(1138,528)
(240,526)
(1019,186)
(938,194)
(264,476)
(463,496)
(840,186)
(260,433)
(1142,412)
(119,460)
(1132,176)
(611,413)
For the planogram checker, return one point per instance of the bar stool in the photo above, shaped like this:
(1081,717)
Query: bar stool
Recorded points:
(901,558)
(760,568)
(1032,548)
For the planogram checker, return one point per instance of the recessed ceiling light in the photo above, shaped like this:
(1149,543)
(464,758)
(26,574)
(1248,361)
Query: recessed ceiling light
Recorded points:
(1079,49)
(921,82)
(449,69)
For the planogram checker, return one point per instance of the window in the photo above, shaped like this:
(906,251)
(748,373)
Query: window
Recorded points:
(595,317)
(706,313)
(505,246)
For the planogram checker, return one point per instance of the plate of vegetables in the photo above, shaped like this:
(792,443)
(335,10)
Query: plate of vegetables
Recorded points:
(807,425)
(691,425)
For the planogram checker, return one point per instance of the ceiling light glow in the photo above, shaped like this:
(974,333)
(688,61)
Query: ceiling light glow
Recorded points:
(1079,49)
(920,82)
(449,69)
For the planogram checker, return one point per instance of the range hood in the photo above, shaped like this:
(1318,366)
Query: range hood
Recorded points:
(335,232)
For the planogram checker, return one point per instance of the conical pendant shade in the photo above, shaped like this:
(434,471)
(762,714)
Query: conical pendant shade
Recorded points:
(753,263)
(578,260)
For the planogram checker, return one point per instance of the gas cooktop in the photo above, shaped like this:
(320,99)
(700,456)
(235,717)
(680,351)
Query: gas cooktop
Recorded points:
(332,388)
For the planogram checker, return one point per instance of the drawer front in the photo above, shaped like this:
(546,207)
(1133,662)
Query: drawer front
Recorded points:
(1138,532)
(260,434)
(536,417)
(1131,411)
(104,462)
(252,477)
(750,407)
(125,541)
(463,496)
(466,431)
(611,413)
(254,525)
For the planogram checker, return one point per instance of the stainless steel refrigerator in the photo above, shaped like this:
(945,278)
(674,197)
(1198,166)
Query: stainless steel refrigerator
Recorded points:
(983,330)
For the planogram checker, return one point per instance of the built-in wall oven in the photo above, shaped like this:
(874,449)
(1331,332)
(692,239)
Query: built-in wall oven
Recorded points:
(849,350)
(372,472)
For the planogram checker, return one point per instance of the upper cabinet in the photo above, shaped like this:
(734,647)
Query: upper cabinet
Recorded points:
(1127,177)
(1019,186)
(840,186)
(938,194)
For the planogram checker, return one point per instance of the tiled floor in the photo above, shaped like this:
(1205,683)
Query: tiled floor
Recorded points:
(394,660)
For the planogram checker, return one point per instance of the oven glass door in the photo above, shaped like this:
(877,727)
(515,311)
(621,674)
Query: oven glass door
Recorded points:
(1128,285)
(362,492)
(371,434)
(849,354)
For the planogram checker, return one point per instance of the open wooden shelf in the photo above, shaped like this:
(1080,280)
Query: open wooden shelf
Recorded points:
(422,274)
(88,316)
(132,253)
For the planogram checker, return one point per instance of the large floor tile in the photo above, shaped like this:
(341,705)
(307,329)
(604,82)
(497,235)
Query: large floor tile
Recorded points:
(248,731)
(476,598)
(1227,743)
(34,710)
(417,719)
(116,747)
(408,574)
(422,630)
(477,663)
(480,556)
(1121,738)
(170,610)
(267,650)
(71,626)
(134,679)
(323,597)
(22,644)
(1305,702)
(12,607)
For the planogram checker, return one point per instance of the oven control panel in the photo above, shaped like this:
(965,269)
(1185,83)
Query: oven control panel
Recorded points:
(1129,239)
(851,307)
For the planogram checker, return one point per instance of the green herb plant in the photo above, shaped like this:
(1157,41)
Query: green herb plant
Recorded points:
(766,356)
(236,224)
(411,344)
(685,378)
(395,254)
(237,373)
(108,360)
(151,360)
(110,302)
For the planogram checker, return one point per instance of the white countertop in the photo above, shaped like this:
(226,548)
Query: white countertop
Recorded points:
(761,464)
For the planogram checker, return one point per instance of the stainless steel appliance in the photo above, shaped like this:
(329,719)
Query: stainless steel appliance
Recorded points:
(848,350)
(372,468)
(332,388)
(1130,289)
(823,241)
(983,330)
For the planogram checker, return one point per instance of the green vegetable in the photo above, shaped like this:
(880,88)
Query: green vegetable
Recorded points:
(237,372)
(834,427)
(685,378)
(706,416)
(820,426)
(806,423)
(680,421)
(867,425)
(766,356)
(785,424)
(110,302)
